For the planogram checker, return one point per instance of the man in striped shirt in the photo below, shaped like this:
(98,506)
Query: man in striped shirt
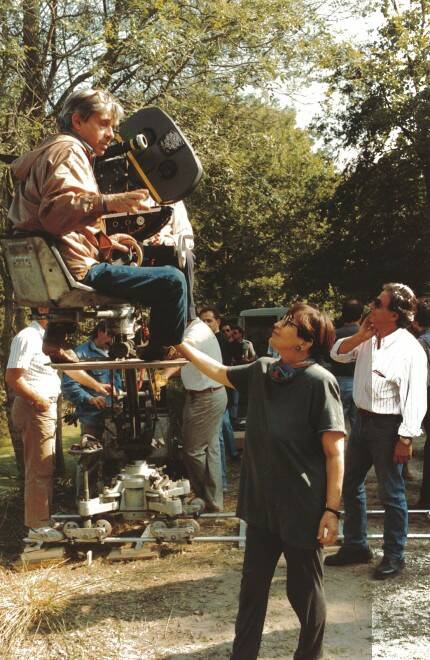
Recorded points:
(390,392)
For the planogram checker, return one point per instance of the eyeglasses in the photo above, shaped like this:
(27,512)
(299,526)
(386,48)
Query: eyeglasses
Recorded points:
(377,303)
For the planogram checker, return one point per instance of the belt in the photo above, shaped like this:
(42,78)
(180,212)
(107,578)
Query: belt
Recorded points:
(208,389)
(369,413)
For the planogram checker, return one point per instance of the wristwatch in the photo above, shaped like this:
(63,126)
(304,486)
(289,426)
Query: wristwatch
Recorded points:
(405,441)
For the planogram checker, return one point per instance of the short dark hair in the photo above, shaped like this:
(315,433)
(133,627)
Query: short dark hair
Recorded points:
(100,327)
(238,327)
(212,309)
(403,302)
(352,310)
(422,315)
(315,326)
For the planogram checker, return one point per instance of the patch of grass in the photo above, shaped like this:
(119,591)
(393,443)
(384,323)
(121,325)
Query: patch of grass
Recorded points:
(31,602)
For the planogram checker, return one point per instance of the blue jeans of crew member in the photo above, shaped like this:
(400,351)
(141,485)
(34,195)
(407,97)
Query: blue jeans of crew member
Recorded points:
(228,435)
(349,407)
(223,460)
(372,443)
(227,444)
(163,288)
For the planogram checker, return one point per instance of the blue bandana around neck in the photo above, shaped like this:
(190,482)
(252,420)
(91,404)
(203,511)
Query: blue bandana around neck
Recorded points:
(280,372)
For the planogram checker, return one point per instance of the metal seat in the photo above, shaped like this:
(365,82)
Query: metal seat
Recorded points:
(40,278)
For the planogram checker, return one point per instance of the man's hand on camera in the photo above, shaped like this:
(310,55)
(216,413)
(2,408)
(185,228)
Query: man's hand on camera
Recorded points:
(132,201)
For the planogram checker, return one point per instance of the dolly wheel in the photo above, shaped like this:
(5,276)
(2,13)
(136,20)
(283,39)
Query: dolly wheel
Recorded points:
(105,525)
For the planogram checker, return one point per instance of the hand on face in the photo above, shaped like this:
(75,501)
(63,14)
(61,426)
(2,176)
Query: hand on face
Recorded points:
(367,329)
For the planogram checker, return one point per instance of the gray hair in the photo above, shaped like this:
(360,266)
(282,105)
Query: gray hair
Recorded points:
(86,102)
(403,302)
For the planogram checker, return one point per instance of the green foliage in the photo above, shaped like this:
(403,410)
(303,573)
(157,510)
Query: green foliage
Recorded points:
(259,203)
(379,106)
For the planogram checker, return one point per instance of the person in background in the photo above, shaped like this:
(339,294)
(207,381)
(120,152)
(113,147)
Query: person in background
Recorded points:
(421,327)
(242,349)
(205,403)
(91,406)
(225,328)
(242,352)
(34,413)
(178,233)
(211,316)
(352,311)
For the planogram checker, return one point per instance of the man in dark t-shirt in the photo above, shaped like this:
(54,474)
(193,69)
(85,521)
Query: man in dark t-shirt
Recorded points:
(292,471)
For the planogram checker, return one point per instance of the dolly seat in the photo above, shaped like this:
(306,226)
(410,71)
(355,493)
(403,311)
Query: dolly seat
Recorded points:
(40,278)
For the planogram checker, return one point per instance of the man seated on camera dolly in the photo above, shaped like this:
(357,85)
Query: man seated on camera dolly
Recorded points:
(58,194)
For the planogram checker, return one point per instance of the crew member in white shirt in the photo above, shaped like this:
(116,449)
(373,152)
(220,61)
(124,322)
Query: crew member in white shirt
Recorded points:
(34,414)
(390,392)
(205,403)
(178,233)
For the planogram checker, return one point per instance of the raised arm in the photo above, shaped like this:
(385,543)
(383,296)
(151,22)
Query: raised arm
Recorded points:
(205,364)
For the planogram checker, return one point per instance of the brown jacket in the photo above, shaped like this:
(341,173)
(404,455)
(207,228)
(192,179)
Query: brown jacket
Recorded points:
(58,194)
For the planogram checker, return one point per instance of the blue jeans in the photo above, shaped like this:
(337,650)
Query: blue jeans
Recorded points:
(233,403)
(349,407)
(223,461)
(372,443)
(163,288)
(227,433)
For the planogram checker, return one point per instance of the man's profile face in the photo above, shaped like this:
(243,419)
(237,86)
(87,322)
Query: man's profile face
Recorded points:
(226,331)
(97,130)
(210,320)
(380,312)
(104,339)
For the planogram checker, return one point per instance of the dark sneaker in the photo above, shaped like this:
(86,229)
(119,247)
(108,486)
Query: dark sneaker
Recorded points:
(388,567)
(349,554)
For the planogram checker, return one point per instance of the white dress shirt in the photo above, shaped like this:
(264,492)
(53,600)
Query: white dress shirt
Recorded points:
(26,353)
(391,379)
(201,336)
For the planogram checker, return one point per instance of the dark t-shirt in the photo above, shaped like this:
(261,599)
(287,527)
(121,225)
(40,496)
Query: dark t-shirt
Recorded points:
(283,478)
(225,348)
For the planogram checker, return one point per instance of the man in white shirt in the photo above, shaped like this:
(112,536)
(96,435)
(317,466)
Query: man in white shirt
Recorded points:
(390,392)
(34,413)
(178,234)
(205,403)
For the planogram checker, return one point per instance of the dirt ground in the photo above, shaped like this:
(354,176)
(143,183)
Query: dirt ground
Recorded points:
(183,605)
